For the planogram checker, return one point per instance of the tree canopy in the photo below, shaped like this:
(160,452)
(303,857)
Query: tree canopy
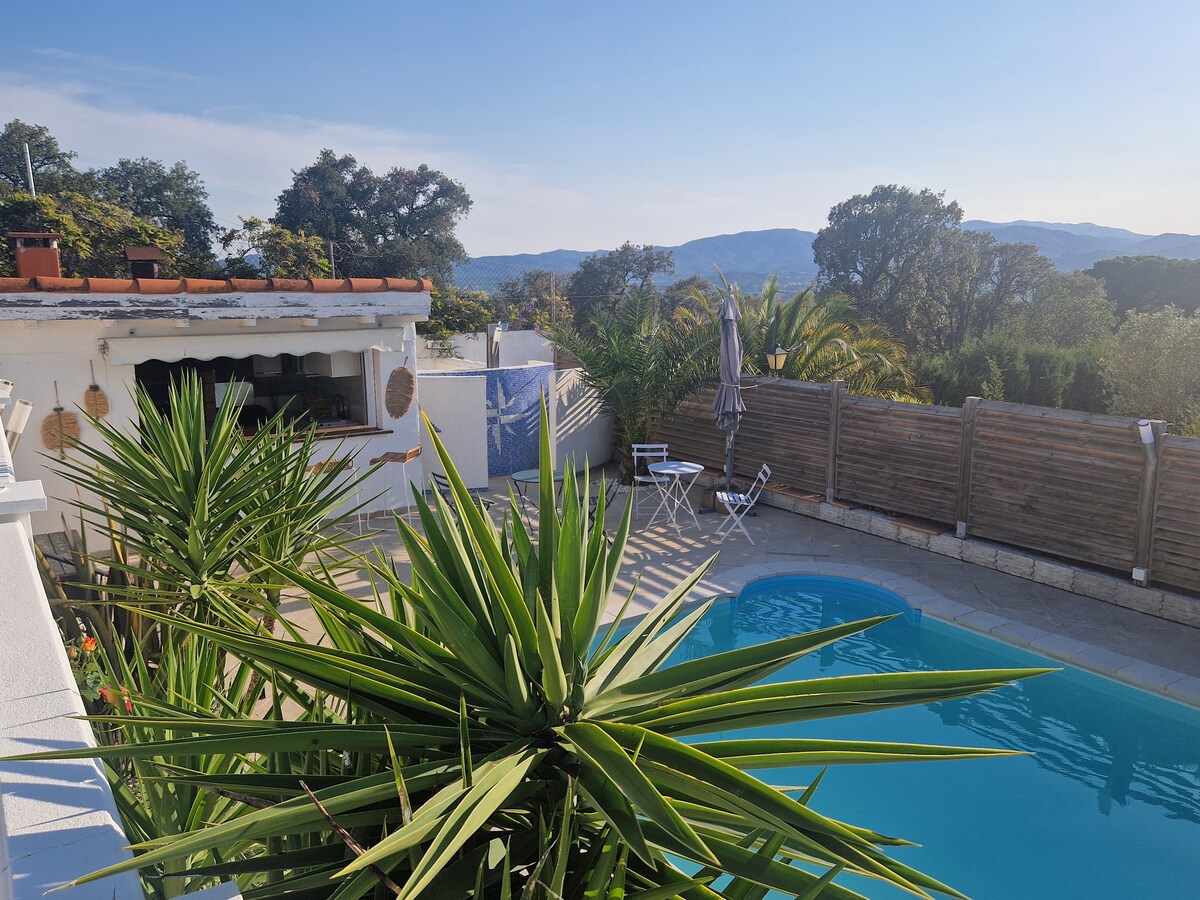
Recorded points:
(875,244)
(400,223)
(534,299)
(901,255)
(1153,367)
(52,167)
(95,233)
(1147,283)
(279,253)
(602,279)
(170,197)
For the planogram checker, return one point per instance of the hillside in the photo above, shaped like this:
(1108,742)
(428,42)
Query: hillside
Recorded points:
(750,257)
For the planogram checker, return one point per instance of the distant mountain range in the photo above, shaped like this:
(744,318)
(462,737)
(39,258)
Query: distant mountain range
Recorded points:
(750,257)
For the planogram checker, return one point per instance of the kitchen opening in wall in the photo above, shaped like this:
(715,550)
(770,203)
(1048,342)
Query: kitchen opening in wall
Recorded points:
(326,390)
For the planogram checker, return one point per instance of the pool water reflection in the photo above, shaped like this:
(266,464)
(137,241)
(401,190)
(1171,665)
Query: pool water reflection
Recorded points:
(1107,807)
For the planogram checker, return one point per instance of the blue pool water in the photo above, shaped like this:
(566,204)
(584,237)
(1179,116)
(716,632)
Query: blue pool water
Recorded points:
(1108,807)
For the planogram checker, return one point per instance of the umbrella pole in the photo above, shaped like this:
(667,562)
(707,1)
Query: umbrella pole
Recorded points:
(729,460)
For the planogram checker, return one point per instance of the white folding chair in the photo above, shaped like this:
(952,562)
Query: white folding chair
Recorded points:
(644,482)
(737,505)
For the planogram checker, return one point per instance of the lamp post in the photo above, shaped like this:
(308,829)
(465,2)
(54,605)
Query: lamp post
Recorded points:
(776,361)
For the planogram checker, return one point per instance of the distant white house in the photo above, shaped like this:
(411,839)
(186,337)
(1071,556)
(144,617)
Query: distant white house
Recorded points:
(336,353)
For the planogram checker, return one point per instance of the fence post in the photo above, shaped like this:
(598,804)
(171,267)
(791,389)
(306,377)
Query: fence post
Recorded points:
(836,389)
(966,456)
(1151,433)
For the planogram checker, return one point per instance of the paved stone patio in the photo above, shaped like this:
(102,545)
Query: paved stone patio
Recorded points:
(1129,646)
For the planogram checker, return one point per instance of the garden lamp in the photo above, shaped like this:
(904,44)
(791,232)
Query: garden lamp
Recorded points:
(776,360)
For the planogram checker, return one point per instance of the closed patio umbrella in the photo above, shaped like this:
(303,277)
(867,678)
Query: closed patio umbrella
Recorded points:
(727,405)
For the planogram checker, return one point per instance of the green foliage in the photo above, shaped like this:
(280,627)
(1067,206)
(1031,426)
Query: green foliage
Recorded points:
(1000,367)
(1153,367)
(190,502)
(1149,283)
(1065,310)
(173,198)
(500,740)
(826,341)
(604,278)
(874,245)
(280,253)
(455,310)
(196,513)
(694,292)
(95,233)
(641,363)
(400,223)
(52,167)
(534,299)
(908,265)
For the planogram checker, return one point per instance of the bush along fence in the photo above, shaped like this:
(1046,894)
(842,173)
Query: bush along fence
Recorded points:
(1099,490)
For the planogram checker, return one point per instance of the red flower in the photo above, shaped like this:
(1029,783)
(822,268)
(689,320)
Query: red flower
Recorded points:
(110,697)
(89,644)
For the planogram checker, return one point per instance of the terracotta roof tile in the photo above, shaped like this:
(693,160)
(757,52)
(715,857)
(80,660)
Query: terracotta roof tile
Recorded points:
(109,285)
(206,286)
(46,283)
(161,285)
(239,285)
(288,284)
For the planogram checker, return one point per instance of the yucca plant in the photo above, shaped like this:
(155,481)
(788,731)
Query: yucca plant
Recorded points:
(191,505)
(193,511)
(500,740)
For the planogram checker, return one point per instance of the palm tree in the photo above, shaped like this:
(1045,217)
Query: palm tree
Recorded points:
(641,362)
(826,340)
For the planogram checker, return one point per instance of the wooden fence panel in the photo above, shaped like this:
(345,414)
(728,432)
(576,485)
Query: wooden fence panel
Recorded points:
(1058,482)
(1175,547)
(902,457)
(786,425)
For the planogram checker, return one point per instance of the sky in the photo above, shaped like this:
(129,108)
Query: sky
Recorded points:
(581,125)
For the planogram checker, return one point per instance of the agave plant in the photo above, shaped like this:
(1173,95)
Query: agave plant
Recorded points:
(502,738)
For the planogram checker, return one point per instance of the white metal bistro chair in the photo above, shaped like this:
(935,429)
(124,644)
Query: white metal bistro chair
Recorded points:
(643,481)
(737,505)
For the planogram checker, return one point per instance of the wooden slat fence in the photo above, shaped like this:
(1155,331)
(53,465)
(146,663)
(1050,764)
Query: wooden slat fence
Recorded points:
(1175,547)
(1056,481)
(901,457)
(1072,485)
(786,425)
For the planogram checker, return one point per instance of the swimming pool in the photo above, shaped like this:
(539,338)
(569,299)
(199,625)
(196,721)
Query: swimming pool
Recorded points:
(1108,807)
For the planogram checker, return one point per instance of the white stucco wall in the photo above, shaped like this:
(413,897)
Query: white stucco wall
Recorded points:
(457,407)
(582,431)
(58,820)
(517,348)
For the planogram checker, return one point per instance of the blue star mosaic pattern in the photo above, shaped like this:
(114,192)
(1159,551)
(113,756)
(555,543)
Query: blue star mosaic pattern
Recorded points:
(513,401)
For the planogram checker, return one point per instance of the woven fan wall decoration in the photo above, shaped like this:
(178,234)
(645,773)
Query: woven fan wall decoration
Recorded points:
(401,387)
(60,429)
(95,401)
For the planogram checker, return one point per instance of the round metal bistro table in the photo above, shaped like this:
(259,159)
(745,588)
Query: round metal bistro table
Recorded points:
(526,477)
(681,476)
